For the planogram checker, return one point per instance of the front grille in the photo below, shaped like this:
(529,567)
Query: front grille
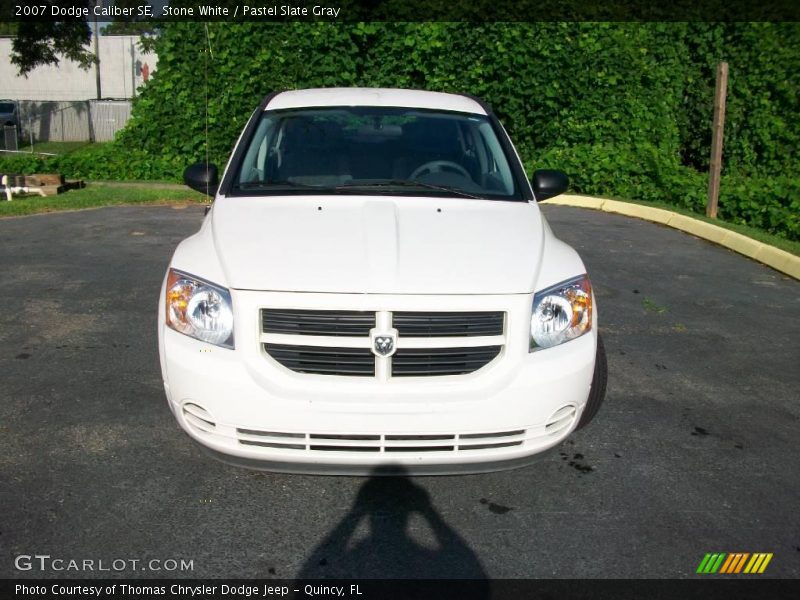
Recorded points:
(324,360)
(317,322)
(417,362)
(447,324)
(451,346)
(417,443)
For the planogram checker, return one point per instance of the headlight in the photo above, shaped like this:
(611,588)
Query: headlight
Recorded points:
(199,309)
(561,313)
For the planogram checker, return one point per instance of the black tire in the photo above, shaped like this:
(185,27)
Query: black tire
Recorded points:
(597,392)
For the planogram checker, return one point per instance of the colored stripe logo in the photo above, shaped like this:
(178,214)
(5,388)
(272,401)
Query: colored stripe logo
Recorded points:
(734,563)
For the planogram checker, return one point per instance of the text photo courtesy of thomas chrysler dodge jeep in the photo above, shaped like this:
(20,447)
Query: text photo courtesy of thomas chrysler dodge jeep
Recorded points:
(375,284)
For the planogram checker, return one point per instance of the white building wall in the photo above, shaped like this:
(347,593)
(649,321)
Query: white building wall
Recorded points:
(67,81)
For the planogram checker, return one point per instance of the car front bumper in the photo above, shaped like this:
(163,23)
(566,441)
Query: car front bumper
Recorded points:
(246,409)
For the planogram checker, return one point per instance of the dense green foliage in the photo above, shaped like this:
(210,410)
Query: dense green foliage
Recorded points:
(625,109)
(96,161)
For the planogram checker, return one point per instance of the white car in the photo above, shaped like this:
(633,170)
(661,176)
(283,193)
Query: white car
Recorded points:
(375,288)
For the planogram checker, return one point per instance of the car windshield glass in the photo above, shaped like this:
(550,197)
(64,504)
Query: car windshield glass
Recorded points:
(376,150)
(6,107)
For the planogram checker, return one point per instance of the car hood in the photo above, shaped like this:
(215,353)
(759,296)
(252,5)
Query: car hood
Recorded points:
(378,244)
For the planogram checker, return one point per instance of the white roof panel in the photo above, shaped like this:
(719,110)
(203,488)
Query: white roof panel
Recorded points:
(374,97)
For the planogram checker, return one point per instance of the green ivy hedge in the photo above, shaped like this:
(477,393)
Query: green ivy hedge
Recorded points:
(624,108)
(108,161)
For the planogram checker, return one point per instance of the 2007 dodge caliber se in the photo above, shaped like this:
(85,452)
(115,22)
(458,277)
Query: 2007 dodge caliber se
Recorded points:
(375,285)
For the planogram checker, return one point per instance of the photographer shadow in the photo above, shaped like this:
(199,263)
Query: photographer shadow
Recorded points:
(386,503)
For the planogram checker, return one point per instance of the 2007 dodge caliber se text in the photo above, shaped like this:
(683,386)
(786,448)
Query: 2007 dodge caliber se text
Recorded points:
(375,285)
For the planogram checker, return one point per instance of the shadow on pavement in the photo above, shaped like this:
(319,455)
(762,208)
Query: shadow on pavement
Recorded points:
(374,539)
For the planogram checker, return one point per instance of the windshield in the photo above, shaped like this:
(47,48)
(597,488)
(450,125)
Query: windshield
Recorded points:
(376,150)
(6,107)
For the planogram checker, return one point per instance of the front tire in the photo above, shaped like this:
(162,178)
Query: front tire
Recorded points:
(597,391)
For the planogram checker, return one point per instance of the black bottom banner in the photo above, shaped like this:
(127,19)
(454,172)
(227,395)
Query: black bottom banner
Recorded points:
(372,589)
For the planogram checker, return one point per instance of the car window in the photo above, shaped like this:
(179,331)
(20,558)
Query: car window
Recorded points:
(6,107)
(376,148)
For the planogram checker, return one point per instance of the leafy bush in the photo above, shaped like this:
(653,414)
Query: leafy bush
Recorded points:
(771,203)
(97,161)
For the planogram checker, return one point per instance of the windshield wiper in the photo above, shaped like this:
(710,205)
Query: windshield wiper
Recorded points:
(407,183)
(281,183)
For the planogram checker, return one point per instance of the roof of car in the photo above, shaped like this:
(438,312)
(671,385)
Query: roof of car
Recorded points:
(375,97)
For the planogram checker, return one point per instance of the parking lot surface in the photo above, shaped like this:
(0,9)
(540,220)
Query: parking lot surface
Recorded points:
(695,450)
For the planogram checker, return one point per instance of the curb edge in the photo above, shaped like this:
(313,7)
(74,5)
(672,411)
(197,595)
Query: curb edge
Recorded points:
(778,259)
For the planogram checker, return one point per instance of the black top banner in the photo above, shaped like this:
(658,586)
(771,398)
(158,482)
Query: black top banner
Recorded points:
(400,10)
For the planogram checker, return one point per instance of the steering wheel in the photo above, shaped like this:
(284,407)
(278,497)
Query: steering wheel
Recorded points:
(437,166)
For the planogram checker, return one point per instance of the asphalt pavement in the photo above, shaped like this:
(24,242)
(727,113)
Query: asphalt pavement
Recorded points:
(695,450)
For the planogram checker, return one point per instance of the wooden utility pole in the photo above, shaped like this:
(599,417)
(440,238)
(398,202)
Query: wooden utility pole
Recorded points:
(97,53)
(717,135)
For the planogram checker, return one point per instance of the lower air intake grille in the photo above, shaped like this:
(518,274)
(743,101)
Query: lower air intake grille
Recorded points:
(198,418)
(561,420)
(325,360)
(393,442)
(416,362)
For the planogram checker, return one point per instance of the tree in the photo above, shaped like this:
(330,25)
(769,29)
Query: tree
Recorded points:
(41,42)
(8,29)
(45,42)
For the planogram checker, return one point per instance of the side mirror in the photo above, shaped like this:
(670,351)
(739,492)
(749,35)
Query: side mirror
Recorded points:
(202,177)
(548,183)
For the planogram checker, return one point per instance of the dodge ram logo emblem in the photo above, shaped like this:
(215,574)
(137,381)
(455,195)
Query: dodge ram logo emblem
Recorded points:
(384,344)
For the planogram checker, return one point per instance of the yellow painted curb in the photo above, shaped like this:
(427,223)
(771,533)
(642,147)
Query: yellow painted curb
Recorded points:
(780,260)
(581,201)
(709,232)
(635,210)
